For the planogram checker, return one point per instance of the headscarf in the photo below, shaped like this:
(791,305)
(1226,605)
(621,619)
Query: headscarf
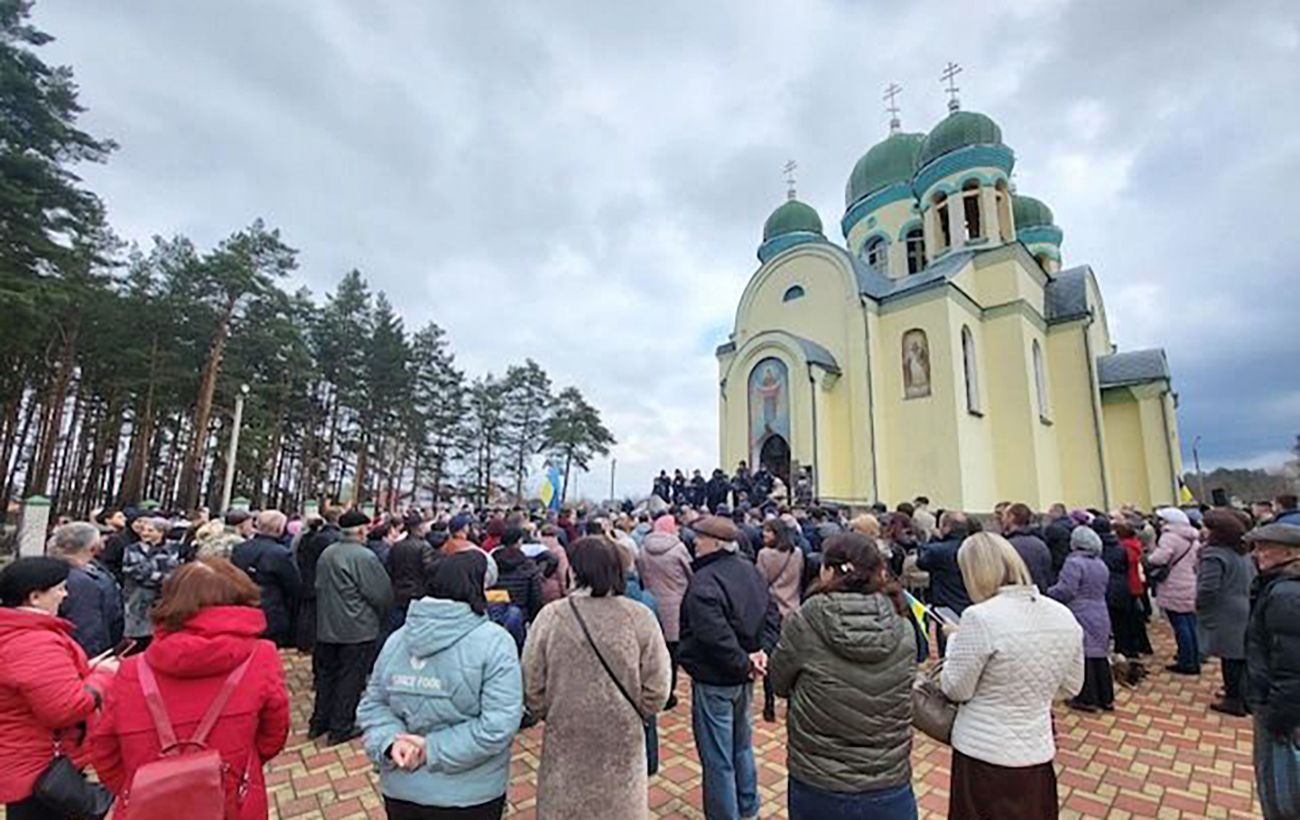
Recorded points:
(665,524)
(1173,515)
(1085,540)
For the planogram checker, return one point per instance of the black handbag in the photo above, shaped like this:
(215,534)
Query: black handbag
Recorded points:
(67,793)
(1159,573)
(649,724)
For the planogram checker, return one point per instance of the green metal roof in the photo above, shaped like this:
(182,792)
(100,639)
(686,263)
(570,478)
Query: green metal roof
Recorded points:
(958,130)
(792,216)
(888,162)
(1029,212)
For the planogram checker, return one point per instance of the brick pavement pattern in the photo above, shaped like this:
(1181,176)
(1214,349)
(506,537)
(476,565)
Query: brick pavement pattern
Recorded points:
(1161,754)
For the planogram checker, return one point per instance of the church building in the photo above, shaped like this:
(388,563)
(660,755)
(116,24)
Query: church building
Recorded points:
(944,350)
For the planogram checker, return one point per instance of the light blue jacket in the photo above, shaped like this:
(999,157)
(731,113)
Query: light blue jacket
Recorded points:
(452,677)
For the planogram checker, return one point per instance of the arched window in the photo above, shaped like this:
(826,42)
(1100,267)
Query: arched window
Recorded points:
(1004,211)
(970,204)
(1040,382)
(972,370)
(941,215)
(876,254)
(793,292)
(915,251)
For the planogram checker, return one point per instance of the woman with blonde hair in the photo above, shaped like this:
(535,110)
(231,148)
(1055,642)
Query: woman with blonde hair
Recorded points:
(1015,651)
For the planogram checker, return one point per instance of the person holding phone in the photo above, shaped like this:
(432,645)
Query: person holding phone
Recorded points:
(48,689)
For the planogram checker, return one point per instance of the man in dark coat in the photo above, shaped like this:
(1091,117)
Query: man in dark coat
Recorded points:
(94,602)
(1056,534)
(939,558)
(310,547)
(1273,666)
(663,487)
(121,532)
(728,620)
(695,493)
(270,564)
(1017,524)
(407,562)
(716,490)
(353,596)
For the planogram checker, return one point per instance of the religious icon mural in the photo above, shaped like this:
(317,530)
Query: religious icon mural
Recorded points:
(769,405)
(916,364)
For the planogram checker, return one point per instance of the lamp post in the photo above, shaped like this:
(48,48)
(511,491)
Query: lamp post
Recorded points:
(1200,477)
(226,486)
(613,465)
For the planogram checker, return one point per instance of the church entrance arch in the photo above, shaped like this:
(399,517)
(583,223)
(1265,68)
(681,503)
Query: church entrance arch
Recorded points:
(775,457)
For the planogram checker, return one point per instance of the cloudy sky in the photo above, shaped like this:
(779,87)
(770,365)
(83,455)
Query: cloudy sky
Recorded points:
(585,183)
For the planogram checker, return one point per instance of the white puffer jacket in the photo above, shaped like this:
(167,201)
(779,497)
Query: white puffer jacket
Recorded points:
(1012,655)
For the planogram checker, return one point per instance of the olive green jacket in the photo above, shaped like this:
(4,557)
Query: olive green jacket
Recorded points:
(846,661)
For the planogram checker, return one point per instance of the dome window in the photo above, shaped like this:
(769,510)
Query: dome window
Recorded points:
(941,216)
(915,250)
(970,203)
(876,254)
(793,292)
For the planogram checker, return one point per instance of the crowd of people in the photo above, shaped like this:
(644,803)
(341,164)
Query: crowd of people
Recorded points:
(434,637)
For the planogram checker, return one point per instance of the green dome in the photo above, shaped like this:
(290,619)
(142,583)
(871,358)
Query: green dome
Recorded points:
(791,217)
(1029,212)
(958,130)
(888,162)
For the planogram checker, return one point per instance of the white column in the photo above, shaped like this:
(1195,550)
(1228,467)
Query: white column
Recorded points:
(33,524)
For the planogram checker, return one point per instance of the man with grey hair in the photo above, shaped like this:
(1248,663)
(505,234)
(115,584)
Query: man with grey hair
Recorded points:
(728,622)
(270,564)
(94,602)
(939,558)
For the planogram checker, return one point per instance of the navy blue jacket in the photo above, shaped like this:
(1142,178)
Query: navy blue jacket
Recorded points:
(1273,649)
(271,565)
(94,605)
(727,614)
(947,588)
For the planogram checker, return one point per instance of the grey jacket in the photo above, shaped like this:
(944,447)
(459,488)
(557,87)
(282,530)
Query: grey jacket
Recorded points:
(1223,600)
(846,661)
(353,593)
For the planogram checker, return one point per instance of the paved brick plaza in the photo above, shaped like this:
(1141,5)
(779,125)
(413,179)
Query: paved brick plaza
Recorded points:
(1161,754)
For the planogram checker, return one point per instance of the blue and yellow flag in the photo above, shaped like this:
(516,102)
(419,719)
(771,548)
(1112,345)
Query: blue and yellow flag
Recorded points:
(919,612)
(550,491)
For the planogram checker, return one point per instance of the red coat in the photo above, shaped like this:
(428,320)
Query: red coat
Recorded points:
(1137,582)
(45,684)
(190,666)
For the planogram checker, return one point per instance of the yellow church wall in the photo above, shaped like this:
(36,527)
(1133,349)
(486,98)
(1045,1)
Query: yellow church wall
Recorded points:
(1077,419)
(830,313)
(974,430)
(920,452)
(1125,450)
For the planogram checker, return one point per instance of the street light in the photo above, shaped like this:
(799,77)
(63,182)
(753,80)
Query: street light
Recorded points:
(226,486)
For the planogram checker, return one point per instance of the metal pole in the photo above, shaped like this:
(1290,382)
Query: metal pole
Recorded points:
(613,463)
(226,486)
(1200,477)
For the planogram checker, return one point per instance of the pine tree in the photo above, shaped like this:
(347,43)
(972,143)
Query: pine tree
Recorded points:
(574,433)
(527,397)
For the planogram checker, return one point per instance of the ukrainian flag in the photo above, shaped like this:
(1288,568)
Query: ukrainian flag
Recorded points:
(550,491)
(919,612)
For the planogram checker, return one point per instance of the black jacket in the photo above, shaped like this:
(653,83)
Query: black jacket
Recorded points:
(946,585)
(94,605)
(271,565)
(520,577)
(1273,649)
(309,550)
(1037,557)
(727,614)
(1116,558)
(1057,536)
(715,492)
(406,567)
(114,550)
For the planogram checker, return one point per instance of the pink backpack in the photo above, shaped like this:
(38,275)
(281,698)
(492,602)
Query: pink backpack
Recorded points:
(187,779)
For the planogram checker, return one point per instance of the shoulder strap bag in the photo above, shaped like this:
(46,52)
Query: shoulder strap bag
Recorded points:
(1160,573)
(64,790)
(649,724)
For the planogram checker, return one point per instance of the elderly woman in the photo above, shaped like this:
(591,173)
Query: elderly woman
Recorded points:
(94,602)
(443,749)
(1178,549)
(1223,602)
(846,660)
(208,628)
(48,690)
(1082,587)
(145,566)
(1015,651)
(584,659)
(665,569)
(781,565)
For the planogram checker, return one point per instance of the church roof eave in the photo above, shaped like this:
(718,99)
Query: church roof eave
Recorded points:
(1066,295)
(1132,367)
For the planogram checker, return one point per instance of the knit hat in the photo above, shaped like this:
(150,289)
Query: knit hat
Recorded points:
(34,574)
(1085,539)
(460,521)
(1080,516)
(1173,515)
